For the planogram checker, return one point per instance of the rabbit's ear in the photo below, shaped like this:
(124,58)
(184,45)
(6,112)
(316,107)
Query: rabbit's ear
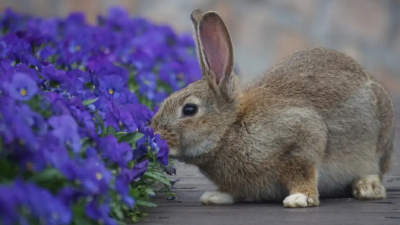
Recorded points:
(216,47)
(195,16)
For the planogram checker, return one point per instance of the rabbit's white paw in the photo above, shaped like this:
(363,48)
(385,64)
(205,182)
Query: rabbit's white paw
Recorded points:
(300,200)
(216,197)
(295,200)
(369,187)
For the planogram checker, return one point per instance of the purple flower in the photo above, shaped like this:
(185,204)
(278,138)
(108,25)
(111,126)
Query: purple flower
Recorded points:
(31,161)
(23,132)
(14,47)
(65,130)
(69,195)
(101,105)
(9,201)
(122,183)
(5,65)
(50,152)
(117,13)
(120,115)
(51,73)
(112,117)
(31,61)
(148,85)
(48,67)
(46,52)
(32,119)
(140,112)
(90,174)
(111,79)
(160,147)
(112,85)
(127,98)
(18,122)
(139,169)
(140,151)
(57,103)
(168,74)
(99,212)
(22,87)
(83,117)
(53,212)
(119,153)
(38,202)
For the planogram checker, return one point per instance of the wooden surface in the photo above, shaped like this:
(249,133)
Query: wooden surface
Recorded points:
(187,210)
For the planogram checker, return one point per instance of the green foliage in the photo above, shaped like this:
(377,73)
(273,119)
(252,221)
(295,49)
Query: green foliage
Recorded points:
(88,102)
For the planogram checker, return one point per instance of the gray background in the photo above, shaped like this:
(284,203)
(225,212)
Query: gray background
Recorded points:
(266,31)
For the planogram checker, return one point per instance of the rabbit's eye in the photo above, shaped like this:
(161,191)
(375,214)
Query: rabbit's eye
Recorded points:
(189,109)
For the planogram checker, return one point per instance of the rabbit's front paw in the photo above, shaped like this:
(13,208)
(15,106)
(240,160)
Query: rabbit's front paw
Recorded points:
(369,187)
(216,197)
(300,200)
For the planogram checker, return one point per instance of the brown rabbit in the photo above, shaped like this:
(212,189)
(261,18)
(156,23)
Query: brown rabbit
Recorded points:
(314,125)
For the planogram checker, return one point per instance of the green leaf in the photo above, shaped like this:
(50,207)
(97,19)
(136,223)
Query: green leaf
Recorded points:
(131,137)
(100,121)
(117,210)
(149,191)
(134,192)
(144,203)
(118,135)
(84,141)
(48,174)
(111,130)
(89,101)
(81,220)
(141,214)
(134,218)
(8,170)
(50,178)
(79,216)
(54,84)
(157,177)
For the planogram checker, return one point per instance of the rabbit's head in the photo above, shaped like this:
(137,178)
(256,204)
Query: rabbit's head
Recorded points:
(194,119)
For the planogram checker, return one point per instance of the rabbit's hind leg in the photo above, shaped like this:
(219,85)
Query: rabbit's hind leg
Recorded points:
(368,188)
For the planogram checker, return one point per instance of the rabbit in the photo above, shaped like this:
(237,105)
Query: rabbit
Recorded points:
(314,125)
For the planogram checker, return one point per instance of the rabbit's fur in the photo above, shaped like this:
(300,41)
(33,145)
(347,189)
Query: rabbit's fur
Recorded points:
(313,125)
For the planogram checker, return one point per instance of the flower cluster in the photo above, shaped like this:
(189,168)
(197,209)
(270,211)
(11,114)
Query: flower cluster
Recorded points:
(76,100)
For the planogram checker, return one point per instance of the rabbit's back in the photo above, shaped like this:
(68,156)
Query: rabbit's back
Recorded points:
(320,76)
(356,111)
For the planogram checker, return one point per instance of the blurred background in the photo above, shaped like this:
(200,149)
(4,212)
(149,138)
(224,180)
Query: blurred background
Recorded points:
(264,32)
